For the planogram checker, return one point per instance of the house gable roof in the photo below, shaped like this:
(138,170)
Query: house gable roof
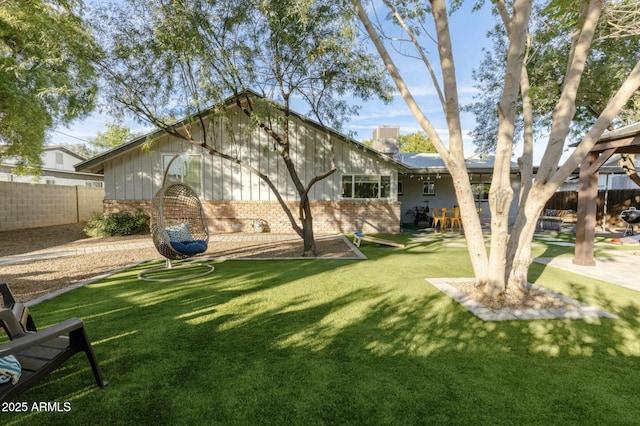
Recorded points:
(65,150)
(96,164)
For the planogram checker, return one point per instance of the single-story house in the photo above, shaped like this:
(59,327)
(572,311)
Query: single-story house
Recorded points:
(370,191)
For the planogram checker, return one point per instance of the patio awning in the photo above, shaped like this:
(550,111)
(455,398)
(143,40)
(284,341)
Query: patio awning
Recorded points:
(625,140)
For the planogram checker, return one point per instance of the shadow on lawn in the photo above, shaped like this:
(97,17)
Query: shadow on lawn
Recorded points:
(342,342)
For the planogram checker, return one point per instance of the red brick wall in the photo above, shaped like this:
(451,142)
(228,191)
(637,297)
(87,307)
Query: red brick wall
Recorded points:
(328,216)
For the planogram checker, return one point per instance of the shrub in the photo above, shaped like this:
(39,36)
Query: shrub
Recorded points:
(117,224)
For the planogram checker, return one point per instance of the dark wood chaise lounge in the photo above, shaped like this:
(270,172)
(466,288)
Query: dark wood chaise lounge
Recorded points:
(41,352)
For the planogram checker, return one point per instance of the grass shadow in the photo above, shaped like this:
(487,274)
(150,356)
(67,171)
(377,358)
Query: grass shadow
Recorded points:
(338,342)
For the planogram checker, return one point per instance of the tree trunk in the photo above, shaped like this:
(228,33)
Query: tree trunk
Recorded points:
(501,192)
(518,256)
(309,242)
(471,223)
(454,156)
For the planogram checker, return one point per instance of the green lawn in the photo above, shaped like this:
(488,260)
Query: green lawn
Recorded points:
(340,342)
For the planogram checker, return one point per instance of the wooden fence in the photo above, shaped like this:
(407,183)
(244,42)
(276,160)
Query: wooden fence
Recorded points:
(617,200)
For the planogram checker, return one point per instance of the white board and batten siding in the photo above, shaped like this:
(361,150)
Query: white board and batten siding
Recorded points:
(137,175)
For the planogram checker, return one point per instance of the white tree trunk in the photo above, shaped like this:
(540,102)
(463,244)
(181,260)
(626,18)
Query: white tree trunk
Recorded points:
(454,156)
(501,192)
(519,248)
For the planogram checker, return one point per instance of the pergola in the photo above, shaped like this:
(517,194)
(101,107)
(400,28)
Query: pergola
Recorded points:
(622,141)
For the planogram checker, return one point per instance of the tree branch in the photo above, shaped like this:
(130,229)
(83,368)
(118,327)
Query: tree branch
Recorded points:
(419,49)
(393,71)
(565,109)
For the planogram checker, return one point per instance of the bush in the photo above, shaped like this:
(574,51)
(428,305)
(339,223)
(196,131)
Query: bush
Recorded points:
(117,224)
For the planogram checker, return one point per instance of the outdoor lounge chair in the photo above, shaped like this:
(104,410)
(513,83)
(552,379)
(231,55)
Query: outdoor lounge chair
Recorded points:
(41,352)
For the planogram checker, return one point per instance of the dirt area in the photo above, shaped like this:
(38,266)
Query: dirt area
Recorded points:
(535,299)
(33,279)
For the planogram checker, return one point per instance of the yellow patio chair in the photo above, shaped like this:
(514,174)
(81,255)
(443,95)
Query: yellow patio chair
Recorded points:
(441,220)
(456,221)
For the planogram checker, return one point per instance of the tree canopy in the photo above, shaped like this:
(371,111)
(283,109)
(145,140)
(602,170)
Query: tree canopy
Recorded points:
(46,74)
(115,135)
(416,142)
(612,56)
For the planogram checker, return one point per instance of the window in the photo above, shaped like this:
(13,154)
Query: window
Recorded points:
(428,188)
(400,187)
(93,184)
(187,169)
(59,160)
(366,186)
(480,191)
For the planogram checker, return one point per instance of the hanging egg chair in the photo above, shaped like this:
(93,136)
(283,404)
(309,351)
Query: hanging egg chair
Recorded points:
(178,228)
(178,225)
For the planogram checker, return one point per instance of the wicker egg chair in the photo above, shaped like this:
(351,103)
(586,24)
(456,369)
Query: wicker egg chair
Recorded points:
(178,228)
(178,225)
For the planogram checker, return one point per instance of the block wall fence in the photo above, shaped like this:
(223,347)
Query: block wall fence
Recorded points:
(25,205)
(329,217)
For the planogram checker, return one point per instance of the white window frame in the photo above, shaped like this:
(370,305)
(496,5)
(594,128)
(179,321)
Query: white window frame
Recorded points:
(197,158)
(428,187)
(379,183)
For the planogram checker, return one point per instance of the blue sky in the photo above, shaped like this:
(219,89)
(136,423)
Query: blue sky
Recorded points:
(468,30)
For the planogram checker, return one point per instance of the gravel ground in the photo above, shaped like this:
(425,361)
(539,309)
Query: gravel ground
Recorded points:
(33,279)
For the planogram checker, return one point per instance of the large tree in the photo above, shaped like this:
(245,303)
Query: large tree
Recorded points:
(507,264)
(46,75)
(176,58)
(114,135)
(612,55)
(415,142)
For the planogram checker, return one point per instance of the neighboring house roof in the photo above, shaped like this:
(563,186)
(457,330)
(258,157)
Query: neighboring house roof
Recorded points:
(47,170)
(46,148)
(65,150)
(433,163)
(96,164)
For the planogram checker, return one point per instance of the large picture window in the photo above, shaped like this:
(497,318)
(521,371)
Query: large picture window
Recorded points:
(366,186)
(185,169)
